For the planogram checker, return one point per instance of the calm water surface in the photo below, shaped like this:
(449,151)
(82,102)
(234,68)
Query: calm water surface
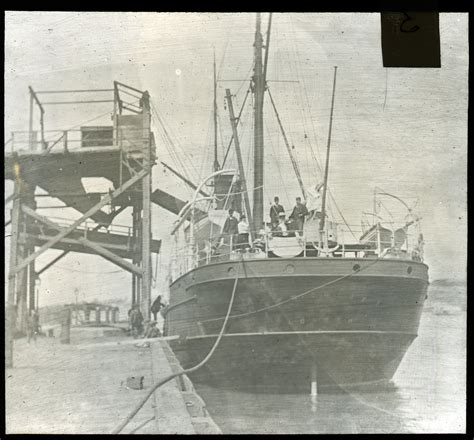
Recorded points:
(428,392)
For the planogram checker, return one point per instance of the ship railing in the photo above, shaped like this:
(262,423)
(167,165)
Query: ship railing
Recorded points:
(386,241)
(344,243)
(292,244)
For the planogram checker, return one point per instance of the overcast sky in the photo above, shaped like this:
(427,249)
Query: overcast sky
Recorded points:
(404,130)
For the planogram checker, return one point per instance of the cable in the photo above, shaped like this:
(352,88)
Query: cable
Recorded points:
(187,371)
(300,294)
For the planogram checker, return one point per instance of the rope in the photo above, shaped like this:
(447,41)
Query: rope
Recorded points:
(293,298)
(132,414)
(237,193)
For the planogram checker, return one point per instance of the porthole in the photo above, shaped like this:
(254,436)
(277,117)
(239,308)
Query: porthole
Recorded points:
(409,270)
(290,268)
(356,267)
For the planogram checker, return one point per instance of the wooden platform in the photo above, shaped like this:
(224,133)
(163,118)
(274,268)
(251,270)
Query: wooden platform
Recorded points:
(122,245)
(81,388)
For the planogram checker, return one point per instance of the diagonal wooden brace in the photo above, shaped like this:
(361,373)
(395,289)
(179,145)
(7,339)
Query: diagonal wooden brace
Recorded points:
(74,225)
(56,259)
(87,243)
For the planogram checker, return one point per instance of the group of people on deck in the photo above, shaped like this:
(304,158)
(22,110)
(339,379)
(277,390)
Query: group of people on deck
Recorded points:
(238,228)
(303,210)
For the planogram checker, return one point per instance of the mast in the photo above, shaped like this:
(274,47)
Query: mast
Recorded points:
(258,84)
(216,162)
(326,171)
(233,122)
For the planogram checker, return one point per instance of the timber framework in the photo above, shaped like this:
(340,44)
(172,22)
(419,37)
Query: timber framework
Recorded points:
(55,161)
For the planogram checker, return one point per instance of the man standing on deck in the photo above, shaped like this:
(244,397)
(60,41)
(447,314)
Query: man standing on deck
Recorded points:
(298,215)
(275,210)
(314,200)
(243,233)
(231,228)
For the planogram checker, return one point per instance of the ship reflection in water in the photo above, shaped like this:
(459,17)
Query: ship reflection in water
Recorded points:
(427,392)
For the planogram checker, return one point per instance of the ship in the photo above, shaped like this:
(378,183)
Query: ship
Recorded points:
(310,309)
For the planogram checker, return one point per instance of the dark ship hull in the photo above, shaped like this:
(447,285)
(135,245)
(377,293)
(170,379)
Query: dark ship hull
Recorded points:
(343,322)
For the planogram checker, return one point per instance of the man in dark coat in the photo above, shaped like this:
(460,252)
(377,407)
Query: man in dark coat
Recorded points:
(231,228)
(156,307)
(136,321)
(275,210)
(298,215)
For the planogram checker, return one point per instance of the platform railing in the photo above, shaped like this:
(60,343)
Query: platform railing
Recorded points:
(67,140)
(91,226)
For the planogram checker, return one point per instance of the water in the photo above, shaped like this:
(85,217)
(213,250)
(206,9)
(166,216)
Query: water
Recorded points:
(427,393)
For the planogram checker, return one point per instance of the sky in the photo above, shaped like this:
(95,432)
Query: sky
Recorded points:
(400,129)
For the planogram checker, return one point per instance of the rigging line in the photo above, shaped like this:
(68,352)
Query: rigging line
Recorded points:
(169,146)
(246,80)
(189,158)
(167,130)
(318,162)
(303,116)
(208,142)
(292,158)
(249,156)
(168,142)
(293,298)
(285,187)
(340,213)
(238,120)
(219,125)
(188,370)
(302,86)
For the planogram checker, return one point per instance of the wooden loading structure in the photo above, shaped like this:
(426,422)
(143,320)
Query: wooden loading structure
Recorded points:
(55,161)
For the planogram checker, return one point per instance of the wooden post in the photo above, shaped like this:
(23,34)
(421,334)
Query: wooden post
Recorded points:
(65,336)
(136,234)
(32,144)
(10,306)
(145,300)
(97,315)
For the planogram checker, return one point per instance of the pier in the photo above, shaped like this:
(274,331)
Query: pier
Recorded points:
(81,388)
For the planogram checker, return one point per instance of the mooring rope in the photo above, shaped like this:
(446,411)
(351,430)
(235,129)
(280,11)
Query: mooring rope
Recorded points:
(293,298)
(132,414)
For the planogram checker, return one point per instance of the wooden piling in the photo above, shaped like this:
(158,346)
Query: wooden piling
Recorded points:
(65,336)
